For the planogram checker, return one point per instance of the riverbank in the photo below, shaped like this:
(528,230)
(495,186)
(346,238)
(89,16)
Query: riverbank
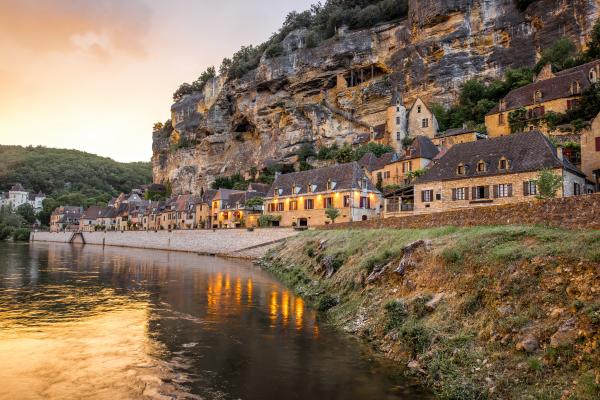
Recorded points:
(508,312)
(235,243)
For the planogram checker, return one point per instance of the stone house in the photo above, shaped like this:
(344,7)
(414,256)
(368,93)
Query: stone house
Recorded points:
(454,136)
(17,196)
(495,171)
(400,122)
(204,209)
(557,92)
(90,218)
(230,208)
(590,153)
(65,218)
(301,198)
(398,169)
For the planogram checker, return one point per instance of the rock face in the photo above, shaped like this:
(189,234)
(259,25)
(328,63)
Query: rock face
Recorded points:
(341,88)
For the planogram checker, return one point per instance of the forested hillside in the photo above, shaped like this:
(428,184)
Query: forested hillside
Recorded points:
(69,176)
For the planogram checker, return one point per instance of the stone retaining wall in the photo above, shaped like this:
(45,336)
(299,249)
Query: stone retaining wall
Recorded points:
(225,242)
(566,212)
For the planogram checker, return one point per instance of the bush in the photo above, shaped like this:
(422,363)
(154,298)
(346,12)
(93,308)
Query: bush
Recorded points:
(396,314)
(548,184)
(274,50)
(21,235)
(5,231)
(326,302)
(415,335)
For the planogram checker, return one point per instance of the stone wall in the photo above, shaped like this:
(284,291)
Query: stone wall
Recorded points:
(225,242)
(568,212)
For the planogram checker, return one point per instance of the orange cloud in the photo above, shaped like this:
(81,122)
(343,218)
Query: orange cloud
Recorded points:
(99,27)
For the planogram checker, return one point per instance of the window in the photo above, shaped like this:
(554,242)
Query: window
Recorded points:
(427,196)
(327,202)
(418,109)
(346,201)
(279,206)
(397,109)
(365,202)
(481,167)
(593,76)
(572,104)
(397,120)
(331,184)
(309,204)
(500,119)
(293,205)
(297,189)
(460,170)
(576,189)
(425,123)
(597,143)
(398,136)
(406,166)
(503,190)
(481,192)
(271,207)
(386,175)
(459,194)
(503,164)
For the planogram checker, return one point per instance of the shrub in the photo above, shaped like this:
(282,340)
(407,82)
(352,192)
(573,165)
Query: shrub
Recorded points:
(548,184)
(415,335)
(326,302)
(396,314)
(21,235)
(274,50)
(332,213)
(452,256)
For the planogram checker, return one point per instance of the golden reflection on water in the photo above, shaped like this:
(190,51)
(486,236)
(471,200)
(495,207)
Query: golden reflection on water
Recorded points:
(106,354)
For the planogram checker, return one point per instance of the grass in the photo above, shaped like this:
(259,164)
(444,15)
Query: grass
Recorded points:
(496,280)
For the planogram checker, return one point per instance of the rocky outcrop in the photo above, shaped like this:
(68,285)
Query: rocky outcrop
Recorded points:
(303,96)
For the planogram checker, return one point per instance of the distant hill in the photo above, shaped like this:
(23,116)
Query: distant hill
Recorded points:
(69,175)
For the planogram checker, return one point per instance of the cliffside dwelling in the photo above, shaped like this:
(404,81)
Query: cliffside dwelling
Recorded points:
(301,198)
(402,123)
(17,196)
(495,171)
(557,92)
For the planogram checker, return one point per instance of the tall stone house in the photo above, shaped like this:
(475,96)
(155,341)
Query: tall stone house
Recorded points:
(301,198)
(495,171)
(18,195)
(418,121)
(557,92)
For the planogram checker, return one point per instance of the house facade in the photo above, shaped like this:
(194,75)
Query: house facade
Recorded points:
(495,171)
(17,196)
(557,92)
(301,198)
(234,208)
(590,153)
(451,137)
(65,218)
(400,122)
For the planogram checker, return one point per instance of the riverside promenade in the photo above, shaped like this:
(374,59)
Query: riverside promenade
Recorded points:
(239,243)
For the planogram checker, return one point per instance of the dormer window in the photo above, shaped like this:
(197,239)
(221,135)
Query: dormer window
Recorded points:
(537,96)
(460,170)
(575,87)
(312,188)
(503,164)
(481,166)
(593,76)
(502,105)
(279,191)
(331,185)
(296,189)
(364,183)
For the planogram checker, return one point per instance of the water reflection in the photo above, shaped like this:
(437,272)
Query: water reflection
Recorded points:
(87,322)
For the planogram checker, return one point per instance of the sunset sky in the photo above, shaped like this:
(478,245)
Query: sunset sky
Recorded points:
(95,75)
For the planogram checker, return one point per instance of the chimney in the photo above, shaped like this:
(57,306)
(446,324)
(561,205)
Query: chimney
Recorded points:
(559,153)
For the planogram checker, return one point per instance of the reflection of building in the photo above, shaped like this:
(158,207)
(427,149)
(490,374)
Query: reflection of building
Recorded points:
(557,92)
(495,171)
(301,198)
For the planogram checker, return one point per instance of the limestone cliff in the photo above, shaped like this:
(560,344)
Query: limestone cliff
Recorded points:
(341,88)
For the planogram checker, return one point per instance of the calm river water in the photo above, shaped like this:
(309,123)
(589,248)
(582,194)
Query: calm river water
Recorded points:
(114,323)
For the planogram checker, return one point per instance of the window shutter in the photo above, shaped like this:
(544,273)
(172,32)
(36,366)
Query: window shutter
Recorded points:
(453,194)
(486,192)
(510,190)
(495,191)
(598,144)
(466,193)
(525,188)
(474,189)
(422,196)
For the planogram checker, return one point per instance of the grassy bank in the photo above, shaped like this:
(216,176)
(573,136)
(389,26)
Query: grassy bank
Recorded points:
(507,312)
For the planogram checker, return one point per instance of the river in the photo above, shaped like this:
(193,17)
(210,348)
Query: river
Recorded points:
(113,323)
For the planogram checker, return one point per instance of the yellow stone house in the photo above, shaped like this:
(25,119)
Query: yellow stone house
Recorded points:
(235,208)
(557,92)
(494,171)
(447,139)
(301,198)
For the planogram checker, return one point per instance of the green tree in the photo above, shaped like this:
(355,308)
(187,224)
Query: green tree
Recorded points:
(548,184)
(345,154)
(255,202)
(27,213)
(517,120)
(561,55)
(332,213)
